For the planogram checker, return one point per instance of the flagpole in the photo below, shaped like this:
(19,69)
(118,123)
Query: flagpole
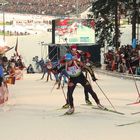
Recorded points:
(16,48)
(3,3)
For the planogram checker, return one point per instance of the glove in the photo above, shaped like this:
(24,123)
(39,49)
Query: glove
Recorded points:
(94,78)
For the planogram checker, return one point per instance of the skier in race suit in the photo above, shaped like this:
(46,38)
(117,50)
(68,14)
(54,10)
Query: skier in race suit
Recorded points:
(74,70)
(77,56)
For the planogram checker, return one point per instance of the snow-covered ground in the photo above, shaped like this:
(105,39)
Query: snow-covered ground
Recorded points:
(34,111)
(29,46)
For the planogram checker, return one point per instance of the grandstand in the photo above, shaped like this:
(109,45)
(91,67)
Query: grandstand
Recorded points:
(48,7)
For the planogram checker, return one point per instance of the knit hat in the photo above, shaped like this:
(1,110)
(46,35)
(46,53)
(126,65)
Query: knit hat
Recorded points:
(73,47)
(68,57)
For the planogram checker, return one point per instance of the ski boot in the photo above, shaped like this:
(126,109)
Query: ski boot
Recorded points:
(101,106)
(65,106)
(88,102)
(70,111)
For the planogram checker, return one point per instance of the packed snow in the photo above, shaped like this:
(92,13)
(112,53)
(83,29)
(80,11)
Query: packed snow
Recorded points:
(33,111)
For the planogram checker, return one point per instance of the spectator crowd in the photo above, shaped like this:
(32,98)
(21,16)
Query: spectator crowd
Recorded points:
(125,59)
(10,71)
(47,7)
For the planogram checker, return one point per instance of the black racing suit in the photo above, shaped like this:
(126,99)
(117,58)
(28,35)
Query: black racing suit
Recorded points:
(84,82)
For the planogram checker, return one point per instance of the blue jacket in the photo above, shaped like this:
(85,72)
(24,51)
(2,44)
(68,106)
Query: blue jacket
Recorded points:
(1,71)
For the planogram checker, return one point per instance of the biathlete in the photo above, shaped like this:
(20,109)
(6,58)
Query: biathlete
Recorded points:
(74,70)
(77,56)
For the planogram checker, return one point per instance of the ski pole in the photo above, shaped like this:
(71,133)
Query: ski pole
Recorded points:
(105,96)
(53,87)
(54,56)
(51,51)
(103,93)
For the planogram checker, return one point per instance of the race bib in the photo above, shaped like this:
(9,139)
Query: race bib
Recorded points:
(73,71)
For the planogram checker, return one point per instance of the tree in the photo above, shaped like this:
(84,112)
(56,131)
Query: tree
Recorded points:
(106,15)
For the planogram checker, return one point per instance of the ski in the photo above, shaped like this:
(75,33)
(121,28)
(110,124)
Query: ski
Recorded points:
(134,103)
(109,110)
(62,108)
(106,109)
(134,113)
(131,123)
(87,104)
(66,114)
